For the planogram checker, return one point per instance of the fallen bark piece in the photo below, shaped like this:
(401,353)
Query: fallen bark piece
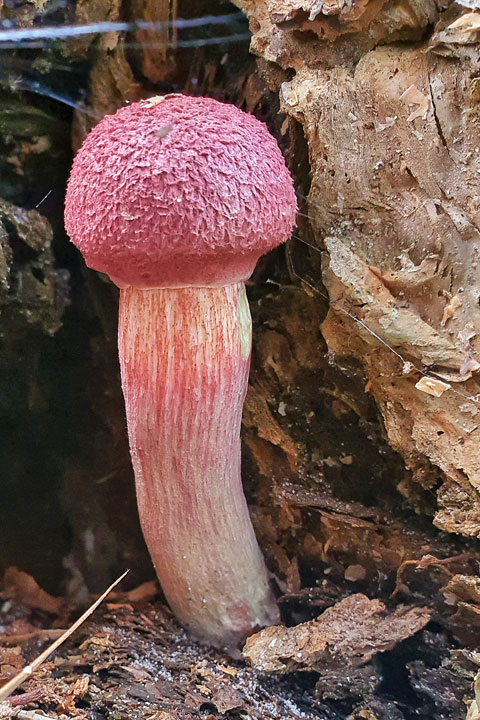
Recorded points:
(462,594)
(463,588)
(23,588)
(349,633)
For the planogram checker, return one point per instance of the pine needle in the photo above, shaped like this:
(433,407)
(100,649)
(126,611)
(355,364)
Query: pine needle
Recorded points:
(27,671)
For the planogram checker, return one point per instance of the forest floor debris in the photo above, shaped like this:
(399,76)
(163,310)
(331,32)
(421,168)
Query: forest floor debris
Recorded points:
(346,635)
(131,660)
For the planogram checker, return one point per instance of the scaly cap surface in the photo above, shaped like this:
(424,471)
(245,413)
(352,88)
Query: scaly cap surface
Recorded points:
(177,191)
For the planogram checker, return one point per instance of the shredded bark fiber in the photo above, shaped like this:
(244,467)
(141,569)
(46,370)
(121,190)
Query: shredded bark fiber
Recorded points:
(131,660)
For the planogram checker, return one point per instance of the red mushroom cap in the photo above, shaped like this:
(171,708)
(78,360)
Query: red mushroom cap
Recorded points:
(177,191)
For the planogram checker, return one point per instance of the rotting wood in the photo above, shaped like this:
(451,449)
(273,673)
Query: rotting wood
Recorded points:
(392,148)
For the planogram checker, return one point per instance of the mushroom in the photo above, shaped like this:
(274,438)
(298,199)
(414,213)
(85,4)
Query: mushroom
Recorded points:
(175,198)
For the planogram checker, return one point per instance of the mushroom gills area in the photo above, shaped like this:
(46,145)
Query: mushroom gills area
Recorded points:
(184,359)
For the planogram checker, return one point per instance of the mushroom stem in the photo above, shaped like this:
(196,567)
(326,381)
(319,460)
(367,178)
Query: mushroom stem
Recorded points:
(184,358)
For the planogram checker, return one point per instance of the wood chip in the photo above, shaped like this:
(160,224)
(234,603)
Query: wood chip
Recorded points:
(226,698)
(145,591)
(432,386)
(413,96)
(453,304)
(24,589)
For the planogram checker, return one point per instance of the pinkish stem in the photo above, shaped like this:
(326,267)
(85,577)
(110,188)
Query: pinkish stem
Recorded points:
(184,357)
